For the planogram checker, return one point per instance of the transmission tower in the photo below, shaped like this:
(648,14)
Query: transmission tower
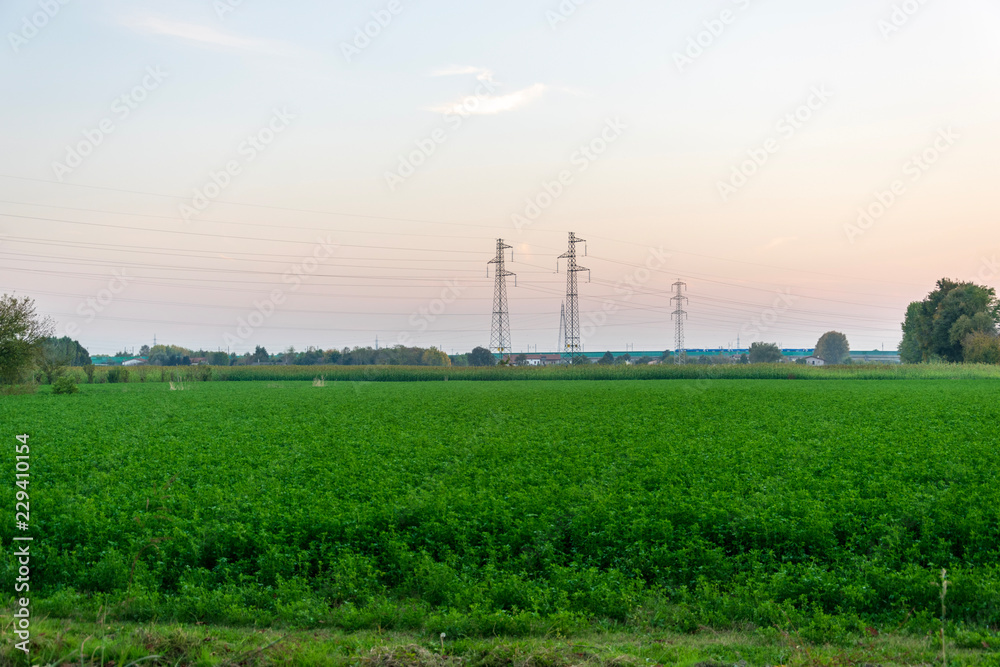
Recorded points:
(680,315)
(571,342)
(500,333)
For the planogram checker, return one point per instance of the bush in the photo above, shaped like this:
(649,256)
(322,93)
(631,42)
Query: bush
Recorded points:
(116,375)
(982,348)
(64,385)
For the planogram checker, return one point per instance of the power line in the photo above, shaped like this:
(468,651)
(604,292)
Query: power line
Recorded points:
(249,205)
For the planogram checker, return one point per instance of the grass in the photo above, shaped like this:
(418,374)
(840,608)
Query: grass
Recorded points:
(60,643)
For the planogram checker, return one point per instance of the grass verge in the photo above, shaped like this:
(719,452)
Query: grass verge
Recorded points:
(60,643)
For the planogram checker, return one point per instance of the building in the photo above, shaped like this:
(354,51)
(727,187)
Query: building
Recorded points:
(789,355)
(105,360)
(543,359)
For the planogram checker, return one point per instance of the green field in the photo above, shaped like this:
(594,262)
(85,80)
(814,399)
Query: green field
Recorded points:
(516,508)
(143,374)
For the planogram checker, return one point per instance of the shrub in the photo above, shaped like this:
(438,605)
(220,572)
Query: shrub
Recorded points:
(116,375)
(64,385)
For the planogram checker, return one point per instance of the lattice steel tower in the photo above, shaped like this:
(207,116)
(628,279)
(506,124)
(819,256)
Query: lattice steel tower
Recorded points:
(500,333)
(572,343)
(679,315)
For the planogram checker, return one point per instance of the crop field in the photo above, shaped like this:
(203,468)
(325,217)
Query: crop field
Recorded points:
(518,508)
(142,374)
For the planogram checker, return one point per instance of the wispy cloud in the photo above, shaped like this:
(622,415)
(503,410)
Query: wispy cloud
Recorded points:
(207,35)
(485,104)
(493,104)
(481,73)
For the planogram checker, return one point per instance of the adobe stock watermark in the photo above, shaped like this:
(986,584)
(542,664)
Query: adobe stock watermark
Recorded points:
(248,151)
(627,288)
(121,108)
(563,12)
(901,15)
(93,306)
(225,7)
(769,317)
(581,159)
(427,315)
(786,128)
(713,29)
(913,170)
(409,163)
(989,269)
(32,25)
(365,35)
(294,277)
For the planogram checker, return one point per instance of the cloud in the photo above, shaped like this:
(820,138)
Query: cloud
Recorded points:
(485,103)
(481,73)
(207,35)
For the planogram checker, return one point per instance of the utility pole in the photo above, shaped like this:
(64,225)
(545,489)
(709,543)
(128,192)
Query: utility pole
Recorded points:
(680,315)
(572,337)
(500,333)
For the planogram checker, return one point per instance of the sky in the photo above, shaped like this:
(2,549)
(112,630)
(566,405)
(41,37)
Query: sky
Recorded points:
(222,174)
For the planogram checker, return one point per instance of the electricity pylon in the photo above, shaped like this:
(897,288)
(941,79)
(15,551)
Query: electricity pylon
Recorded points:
(572,344)
(679,315)
(500,333)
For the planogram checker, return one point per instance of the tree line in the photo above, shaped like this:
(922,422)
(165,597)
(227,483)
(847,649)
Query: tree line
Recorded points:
(957,322)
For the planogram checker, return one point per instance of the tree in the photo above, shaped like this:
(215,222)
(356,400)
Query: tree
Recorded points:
(607,359)
(58,353)
(579,360)
(22,334)
(144,351)
(909,347)
(171,355)
(981,348)
(938,326)
(833,348)
(521,359)
(260,355)
(218,358)
(480,356)
(434,357)
(765,353)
